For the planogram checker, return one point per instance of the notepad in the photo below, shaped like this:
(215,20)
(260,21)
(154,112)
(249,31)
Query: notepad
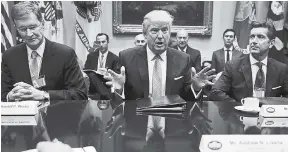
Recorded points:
(169,103)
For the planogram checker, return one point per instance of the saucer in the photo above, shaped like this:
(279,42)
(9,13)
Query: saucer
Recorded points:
(250,110)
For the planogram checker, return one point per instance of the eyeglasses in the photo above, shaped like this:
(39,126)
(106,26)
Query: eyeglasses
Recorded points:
(32,28)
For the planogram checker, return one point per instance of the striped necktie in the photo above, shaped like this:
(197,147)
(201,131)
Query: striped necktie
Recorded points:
(157,87)
(102,61)
(34,68)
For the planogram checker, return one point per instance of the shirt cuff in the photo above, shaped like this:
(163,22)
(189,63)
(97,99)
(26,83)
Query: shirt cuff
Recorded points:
(194,93)
(7,99)
(120,95)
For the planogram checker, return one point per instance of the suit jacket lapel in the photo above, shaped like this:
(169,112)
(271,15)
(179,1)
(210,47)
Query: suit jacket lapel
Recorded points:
(246,71)
(46,60)
(108,60)
(170,71)
(143,70)
(95,60)
(24,63)
(222,56)
(271,71)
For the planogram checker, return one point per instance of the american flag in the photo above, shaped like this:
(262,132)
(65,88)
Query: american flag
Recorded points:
(49,11)
(6,39)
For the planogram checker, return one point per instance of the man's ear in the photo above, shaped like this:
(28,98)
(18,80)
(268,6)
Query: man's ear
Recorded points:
(272,42)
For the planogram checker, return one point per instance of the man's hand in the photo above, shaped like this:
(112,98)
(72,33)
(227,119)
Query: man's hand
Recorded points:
(24,91)
(202,79)
(17,92)
(217,77)
(116,80)
(117,121)
(55,146)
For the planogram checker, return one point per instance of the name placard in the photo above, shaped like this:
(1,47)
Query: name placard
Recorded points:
(274,111)
(84,149)
(273,122)
(241,143)
(19,108)
(18,121)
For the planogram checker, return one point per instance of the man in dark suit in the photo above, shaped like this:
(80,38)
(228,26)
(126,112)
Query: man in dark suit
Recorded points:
(39,69)
(253,75)
(156,70)
(182,38)
(102,57)
(227,53)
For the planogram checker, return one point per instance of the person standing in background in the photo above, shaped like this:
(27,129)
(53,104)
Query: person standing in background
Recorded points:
(102,57)
(182,38)
(227,53)
(140,40)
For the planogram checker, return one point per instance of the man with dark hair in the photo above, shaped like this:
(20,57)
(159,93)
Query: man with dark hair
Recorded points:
(227,53)
(102,57)
(182,38)
(101,60)
(39,69)
(206,64)
(253,75)
(140,40)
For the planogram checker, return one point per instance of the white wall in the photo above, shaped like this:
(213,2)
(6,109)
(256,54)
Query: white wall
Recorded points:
(223,15)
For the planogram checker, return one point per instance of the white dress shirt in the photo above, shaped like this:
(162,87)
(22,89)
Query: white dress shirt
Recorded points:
(184,50)
(104,59)
(255,68)
(230,53)
(40,51)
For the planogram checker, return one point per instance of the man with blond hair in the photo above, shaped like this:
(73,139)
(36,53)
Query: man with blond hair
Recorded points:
(154,69)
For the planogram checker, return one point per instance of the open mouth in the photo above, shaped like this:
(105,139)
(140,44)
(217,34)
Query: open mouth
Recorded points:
(159,44)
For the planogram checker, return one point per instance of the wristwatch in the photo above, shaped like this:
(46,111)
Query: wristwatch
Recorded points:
(46,95)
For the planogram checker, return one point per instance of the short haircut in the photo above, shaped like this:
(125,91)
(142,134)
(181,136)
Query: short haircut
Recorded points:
(101,34)
(210,62)
(229,30)
(157,15)
(269,26)
(23,8)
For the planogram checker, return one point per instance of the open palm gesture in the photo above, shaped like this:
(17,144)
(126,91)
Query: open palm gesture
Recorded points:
(202,78)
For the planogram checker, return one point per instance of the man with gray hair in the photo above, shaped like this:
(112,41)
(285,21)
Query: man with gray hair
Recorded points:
(140,40)
(39,69)
(154,69)
(182,38)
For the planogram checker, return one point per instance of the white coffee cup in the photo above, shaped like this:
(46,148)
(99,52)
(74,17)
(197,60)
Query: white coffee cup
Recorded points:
(250,121)
(250,103)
